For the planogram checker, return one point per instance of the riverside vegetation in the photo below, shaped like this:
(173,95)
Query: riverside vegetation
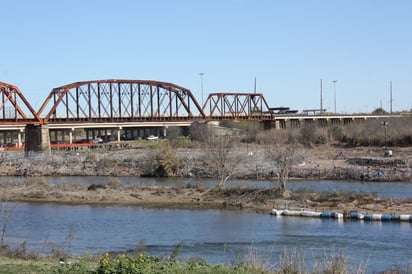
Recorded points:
(352,152)
(18,261)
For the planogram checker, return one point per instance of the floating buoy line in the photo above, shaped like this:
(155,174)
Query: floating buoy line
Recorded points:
(303,212)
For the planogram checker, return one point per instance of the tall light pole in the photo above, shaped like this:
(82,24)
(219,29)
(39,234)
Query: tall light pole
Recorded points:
(201,84)
(391,100)
(321,99)
(334,92)
(384,124)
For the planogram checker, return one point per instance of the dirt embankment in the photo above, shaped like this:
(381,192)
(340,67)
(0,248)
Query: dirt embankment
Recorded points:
(321,163)
(196,197)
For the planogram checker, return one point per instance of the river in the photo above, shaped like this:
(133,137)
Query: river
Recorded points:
(219,236)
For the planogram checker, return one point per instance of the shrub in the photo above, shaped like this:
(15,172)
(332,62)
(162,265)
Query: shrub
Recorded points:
(96,186)
(166,157)
(71,268)
(336,133)
(126,264)
(114,183)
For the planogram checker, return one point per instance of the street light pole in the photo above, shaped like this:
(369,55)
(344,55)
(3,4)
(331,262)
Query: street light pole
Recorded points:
(385,126)
(334,92)
(321,99)
(201,84)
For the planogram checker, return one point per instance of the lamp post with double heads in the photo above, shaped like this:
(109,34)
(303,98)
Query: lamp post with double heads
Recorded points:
(201,84)
(334,92)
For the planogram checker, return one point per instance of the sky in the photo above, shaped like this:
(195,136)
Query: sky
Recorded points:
(288,46)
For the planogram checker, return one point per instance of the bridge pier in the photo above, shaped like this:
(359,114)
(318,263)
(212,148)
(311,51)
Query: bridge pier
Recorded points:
(37,139)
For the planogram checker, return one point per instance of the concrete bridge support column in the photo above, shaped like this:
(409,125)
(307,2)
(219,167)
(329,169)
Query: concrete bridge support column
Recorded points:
(71,136)
(37,139)
(295,123)
(119,134)
(280,124)
(322,122)
(19,142)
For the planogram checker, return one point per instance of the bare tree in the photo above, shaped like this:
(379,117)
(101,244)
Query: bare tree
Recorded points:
(7,209)
(221,154)
(284,155)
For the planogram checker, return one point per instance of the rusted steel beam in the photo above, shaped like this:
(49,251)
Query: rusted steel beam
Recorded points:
(131,100)
(237,106)
(11,95)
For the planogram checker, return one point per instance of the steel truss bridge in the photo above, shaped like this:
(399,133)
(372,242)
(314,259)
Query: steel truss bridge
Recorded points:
(143,103)
(127,101)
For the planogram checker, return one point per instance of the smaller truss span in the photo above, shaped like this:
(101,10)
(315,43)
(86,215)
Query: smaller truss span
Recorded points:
(237,106)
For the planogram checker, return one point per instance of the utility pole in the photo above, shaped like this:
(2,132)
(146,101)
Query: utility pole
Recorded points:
(201,84)
(384,124)
(391,100)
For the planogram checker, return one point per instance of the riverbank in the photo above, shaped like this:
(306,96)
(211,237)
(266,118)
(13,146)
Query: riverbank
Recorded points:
(135,159)
(113,192)
(324,162)
(145,263)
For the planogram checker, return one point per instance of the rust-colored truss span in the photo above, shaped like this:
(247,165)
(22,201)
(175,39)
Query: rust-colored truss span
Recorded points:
(237,106)
(120,100)
(14,106)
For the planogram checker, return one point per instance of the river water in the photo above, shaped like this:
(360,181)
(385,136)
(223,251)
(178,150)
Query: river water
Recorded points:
(219,236)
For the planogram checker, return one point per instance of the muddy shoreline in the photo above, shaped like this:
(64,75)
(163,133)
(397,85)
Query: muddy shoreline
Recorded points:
(197,197)
(324,163)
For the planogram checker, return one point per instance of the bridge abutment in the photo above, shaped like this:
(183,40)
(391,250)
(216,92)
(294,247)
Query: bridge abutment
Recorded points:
(37,139)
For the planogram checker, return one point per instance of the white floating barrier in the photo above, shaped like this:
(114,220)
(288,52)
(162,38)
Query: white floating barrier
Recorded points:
(405,217)
(337,215)
(376,217)
(276,212)
(310,213)
(288,212)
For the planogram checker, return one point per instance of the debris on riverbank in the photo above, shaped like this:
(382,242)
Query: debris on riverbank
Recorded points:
(323,162)
(114,192)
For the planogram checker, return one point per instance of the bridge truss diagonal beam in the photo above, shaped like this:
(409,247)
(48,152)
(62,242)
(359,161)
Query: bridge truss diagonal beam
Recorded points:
(14,107)
(120,100)
(237,106)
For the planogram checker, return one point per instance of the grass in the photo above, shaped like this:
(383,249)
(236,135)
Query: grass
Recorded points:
(94,265)
(291,261)
(47,265)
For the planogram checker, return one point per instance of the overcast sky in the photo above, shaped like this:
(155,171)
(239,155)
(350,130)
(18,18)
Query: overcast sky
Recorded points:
(288,46)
